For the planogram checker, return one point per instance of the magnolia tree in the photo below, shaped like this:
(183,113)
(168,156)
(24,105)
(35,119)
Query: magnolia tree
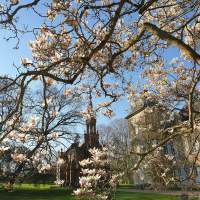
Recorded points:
(161,169)
(48,121)
(107,41)
(97,180)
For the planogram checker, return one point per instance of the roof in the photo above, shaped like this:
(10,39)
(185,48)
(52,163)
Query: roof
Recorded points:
(140,109)
(135,112)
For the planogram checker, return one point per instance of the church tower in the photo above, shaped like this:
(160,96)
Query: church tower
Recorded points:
(91,135)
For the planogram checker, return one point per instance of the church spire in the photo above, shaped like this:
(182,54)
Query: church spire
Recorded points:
(91,120)
(91,136)
(90,109)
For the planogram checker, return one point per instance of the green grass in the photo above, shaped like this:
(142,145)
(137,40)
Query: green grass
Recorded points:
(46,192)
(36,192)
(26,186)
(122,195)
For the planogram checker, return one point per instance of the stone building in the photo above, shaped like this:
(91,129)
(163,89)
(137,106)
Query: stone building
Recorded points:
(70,171)
(145,125)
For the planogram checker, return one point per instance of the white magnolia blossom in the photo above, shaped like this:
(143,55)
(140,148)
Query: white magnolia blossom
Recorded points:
(14,2)
(59,182)
(43,168)
(18,157)
(169,157)
(31,122)
(97,181)
(22,137)
(55,135)
(67,92)
(12,135)
(85,162)
(3,149)
(26,62)
(60,161)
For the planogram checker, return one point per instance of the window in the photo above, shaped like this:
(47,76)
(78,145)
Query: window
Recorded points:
(182,174)
(136,129)
(196,146)
(198,174)
(169,149)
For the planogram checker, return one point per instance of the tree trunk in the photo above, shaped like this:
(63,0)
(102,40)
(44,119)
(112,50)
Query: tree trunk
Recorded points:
(13,177)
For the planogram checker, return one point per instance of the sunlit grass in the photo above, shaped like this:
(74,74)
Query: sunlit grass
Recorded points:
(124,195)
(51,192)
(25,186)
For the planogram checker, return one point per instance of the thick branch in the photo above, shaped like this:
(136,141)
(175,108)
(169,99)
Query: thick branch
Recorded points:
(164,35)
(146,6)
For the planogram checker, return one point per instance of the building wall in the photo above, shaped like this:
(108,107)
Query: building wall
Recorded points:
(144,126)
(144,129)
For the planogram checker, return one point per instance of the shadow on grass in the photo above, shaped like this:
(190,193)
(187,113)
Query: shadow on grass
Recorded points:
(33,194)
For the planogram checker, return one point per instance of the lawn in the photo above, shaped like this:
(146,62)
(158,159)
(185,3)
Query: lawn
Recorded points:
(45,192)
(141,196)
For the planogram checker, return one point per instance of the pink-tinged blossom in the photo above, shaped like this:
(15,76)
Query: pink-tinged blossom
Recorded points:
(97,181)
(18,157)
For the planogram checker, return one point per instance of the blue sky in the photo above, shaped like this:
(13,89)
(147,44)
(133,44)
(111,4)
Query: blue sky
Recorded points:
(10,56)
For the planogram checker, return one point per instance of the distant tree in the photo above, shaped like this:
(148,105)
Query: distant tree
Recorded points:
(115,137)
(48,121)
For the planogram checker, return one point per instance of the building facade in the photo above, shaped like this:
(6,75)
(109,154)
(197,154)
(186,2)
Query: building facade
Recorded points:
(145,128)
